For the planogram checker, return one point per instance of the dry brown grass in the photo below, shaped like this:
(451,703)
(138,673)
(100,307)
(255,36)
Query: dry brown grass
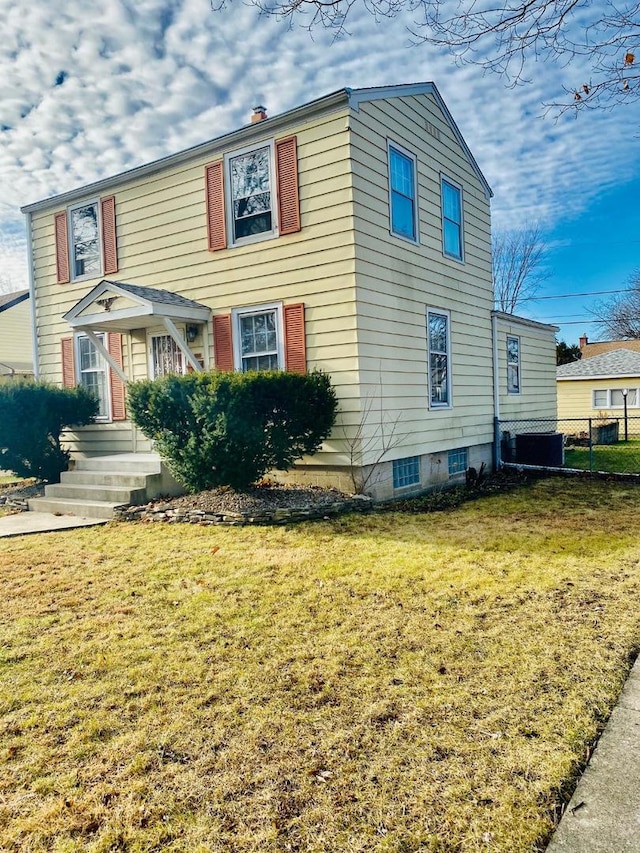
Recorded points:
(385,683)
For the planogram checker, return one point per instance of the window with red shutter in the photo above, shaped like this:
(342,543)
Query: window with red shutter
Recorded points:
(116,385)
(68,363)
(216,232)
(288,199)
(222,342)
(295,350)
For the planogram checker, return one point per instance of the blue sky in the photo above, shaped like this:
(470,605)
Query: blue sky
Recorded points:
(88,90)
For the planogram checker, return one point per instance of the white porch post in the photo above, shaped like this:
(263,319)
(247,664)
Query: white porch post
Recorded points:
(177,337)
(104,352)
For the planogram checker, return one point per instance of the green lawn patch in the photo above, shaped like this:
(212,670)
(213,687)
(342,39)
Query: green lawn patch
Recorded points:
(391,682)
(620,458)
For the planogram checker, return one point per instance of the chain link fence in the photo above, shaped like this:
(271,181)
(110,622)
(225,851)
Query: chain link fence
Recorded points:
(602,445)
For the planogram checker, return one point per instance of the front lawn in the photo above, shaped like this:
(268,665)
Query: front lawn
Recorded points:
(386,683)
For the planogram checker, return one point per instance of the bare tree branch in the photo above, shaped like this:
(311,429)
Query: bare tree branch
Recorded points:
(504,36)
(518,266)
(619,317)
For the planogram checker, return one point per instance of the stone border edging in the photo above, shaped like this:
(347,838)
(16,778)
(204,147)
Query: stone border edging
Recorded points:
(282,515)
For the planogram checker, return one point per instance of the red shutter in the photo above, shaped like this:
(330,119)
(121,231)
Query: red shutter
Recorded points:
(287,176)
(295,350)
(114,347)
(68,367)
(62,247)
(216,234)
(109,245)
(223,342)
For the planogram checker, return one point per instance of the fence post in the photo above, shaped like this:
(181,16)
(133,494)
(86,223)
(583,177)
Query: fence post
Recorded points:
(590,447)
(497,456)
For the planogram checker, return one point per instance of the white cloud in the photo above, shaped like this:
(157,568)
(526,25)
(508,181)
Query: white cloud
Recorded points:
(95,89)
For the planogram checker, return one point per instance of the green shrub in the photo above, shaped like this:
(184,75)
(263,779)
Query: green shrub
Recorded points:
(32,416)
(229,429)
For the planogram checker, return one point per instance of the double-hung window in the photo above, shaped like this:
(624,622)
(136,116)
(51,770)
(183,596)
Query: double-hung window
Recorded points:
(403,193)
(259,338)
(92,372)
(452,240)
(513,365)
(251,197)
(84,237)
(439,359)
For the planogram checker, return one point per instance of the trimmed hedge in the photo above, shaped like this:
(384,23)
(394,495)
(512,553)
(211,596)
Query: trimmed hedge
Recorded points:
(32,416)
(229,429)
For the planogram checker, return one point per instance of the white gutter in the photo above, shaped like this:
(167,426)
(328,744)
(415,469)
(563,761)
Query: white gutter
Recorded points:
(32,298)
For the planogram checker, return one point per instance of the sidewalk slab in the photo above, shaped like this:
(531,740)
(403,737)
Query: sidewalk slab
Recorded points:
(22,523)
(603,815)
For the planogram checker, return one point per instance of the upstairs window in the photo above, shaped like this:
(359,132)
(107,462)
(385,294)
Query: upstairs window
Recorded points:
(513,365)
(452,220)
(85,240)
(403,193)
(439,366)
(251,211)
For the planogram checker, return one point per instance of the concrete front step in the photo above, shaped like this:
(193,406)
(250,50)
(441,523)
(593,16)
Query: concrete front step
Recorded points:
(87,509)
(111,494)
(97,484)
(100,478)
(129,463)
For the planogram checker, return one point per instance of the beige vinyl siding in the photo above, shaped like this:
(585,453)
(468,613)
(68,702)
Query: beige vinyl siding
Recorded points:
(538,396)
(162,242)
(398,280)
(575,398)
(16,338)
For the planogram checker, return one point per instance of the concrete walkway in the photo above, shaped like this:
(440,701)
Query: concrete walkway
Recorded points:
(21,523)
(604,813)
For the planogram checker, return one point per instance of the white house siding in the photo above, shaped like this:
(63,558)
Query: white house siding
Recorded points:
(162,242)
(537,397)
(397,280)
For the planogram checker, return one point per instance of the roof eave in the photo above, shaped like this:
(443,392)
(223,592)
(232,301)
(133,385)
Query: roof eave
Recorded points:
(233,139)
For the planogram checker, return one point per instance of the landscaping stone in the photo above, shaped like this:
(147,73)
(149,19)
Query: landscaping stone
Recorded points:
(262,505)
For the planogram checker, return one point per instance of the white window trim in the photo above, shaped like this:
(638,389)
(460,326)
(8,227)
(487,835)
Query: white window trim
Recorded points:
(519,365)
(411,156)
(237,313)
(609,404)
(228,200)
(103,419)
(444,313)
(72,261)
(446,179)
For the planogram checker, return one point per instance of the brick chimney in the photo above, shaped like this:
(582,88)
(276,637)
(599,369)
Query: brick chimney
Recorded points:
(583,341)
(259,114)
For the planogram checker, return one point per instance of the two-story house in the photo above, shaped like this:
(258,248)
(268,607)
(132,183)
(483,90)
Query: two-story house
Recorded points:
(350,234)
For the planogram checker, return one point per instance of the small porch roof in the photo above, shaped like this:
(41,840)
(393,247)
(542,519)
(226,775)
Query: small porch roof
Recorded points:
(117,306)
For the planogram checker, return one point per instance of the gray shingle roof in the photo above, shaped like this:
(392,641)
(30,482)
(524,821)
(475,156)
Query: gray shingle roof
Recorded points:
(154,294)
(618,362)
(8,300)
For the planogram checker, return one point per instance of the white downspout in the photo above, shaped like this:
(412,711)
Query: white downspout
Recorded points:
(32,300)
(496,393)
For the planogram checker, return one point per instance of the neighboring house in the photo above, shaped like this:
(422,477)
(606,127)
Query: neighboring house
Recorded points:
(350,234)
(588,349)
(16,336)
(593,387)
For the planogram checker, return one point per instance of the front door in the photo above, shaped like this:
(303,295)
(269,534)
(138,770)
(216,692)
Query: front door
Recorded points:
(166,356)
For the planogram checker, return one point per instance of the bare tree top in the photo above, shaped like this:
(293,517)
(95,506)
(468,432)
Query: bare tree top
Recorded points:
(518,266)
(504,36)
(619,317)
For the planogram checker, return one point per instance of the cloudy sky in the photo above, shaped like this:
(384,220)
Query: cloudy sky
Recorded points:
(88,90)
